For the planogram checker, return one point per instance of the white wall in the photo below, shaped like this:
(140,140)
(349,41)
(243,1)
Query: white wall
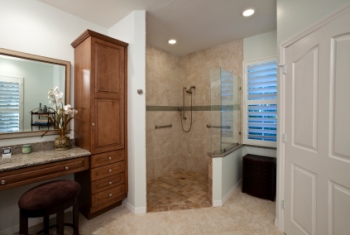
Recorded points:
(227,174)
(132,29)
(36,28)
(33,27)
(260,46)
(294,16)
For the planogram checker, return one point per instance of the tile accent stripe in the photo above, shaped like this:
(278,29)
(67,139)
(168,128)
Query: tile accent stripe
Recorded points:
(195,108)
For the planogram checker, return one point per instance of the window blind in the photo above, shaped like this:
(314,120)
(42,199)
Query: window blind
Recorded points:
(10,102)
(262,101)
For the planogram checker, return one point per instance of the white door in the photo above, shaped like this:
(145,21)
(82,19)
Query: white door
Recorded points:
(317,128)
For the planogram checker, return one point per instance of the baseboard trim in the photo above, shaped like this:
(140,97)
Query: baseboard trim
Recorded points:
(218,203)
(135,210)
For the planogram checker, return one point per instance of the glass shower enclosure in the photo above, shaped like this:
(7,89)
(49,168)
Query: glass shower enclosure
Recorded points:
(225,110)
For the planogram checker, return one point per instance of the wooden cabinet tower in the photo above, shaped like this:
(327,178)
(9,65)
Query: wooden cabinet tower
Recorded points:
(100,94)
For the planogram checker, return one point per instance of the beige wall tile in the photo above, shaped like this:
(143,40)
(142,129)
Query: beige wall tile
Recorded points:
(166,75)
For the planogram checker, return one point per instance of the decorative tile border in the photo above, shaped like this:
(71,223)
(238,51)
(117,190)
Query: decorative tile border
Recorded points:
(195,108)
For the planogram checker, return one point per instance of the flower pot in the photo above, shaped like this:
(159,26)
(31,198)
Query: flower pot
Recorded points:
(62,143)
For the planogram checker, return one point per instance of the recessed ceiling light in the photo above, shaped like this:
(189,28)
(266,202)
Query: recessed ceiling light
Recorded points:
(172,41)
(248,12)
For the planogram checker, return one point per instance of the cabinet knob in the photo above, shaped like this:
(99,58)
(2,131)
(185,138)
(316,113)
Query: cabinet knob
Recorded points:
(110,182)
(93,124)
(3,182)
(110,170)
(109,158)
(110,195)
(66,168)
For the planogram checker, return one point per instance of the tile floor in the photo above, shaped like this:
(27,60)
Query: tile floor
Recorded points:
(178,190)
(241,215)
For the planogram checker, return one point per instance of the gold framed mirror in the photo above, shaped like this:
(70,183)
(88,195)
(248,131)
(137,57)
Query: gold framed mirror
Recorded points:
(29,78)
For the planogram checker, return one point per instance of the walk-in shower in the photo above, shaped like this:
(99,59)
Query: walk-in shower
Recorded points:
(185,91)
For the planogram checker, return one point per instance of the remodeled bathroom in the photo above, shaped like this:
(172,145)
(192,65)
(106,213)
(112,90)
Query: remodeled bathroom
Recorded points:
(193,108)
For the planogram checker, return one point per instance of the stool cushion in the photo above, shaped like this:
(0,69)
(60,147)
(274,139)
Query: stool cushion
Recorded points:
(49,195)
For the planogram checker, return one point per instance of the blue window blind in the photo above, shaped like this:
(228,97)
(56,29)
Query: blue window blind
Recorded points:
(262,101)
(9,106)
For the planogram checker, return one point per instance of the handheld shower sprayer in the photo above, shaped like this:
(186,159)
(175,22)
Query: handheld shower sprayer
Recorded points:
(189,91)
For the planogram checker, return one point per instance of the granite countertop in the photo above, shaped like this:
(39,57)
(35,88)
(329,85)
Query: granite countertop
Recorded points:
(19,161)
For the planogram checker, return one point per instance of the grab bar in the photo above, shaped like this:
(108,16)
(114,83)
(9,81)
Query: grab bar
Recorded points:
(165,126)
(221,127)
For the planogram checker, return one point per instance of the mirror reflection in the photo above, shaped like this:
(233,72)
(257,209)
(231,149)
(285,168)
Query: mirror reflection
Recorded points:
(24,85)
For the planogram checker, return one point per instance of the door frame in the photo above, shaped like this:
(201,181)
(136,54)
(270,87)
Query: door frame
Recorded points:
(279,222)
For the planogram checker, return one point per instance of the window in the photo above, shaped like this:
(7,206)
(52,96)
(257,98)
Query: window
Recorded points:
(260,102)
(11,96)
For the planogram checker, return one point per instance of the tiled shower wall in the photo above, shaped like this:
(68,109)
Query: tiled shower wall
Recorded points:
(169,149)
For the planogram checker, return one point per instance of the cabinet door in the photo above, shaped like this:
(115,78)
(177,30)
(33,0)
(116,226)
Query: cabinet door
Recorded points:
(108,104)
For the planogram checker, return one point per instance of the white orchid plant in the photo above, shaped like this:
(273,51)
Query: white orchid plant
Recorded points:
(63,113)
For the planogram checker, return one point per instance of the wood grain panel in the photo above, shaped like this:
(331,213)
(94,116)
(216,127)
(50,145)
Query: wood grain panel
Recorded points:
(105,171)
(108,195)
(39,173)
(107,183)
(106,158)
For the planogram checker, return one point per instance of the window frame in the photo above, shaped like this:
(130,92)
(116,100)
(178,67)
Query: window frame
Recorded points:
(246,102)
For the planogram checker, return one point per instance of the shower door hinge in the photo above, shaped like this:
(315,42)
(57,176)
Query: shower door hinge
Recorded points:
(284,68)
(284,138)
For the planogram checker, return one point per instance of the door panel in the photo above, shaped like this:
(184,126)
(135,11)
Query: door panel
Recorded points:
(108,67)
(340,127)
(108,133)
(339,209)
(305,71)
(317,111)
(303,201)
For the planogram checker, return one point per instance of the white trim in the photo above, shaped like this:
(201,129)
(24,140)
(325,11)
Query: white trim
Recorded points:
(135,210)
(281,100)
(232,191)
(244,103)
(218,203)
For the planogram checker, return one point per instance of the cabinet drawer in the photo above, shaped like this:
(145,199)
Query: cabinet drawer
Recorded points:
(106,158)
(38,173)
(108,195)
(107,183)
(105,171)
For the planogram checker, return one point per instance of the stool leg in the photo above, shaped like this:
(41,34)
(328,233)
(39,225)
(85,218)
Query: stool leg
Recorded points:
(60,221)
(76,217)
(46,224)
(23,223)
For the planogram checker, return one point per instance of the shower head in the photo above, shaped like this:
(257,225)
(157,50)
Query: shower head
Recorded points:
(188,91)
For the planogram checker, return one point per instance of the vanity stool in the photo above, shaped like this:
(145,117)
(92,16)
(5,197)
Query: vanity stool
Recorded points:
(47,199)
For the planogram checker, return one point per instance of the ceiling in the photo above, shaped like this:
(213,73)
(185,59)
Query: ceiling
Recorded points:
(195,24)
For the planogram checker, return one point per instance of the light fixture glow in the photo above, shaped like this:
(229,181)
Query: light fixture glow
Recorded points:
(248,12)
(172,41)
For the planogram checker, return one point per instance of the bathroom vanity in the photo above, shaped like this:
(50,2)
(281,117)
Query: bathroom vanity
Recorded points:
(25,169)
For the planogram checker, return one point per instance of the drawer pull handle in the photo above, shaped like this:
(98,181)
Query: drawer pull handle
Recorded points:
(3,182)
(109,158)
(66,168)
(110,195)
(110,170)
(110,182)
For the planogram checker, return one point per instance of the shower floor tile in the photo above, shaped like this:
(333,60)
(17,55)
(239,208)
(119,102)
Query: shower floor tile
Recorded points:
(179,190)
